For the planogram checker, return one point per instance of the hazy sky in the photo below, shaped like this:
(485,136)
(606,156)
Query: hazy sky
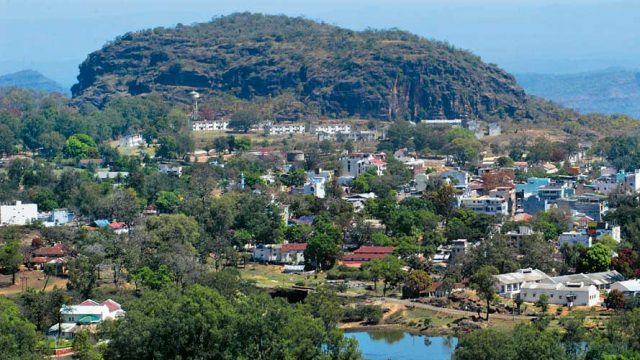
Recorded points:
(553,36)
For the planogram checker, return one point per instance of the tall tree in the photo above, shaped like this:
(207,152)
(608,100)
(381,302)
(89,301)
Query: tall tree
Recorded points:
(484,283)
(243,120)
(82,275)
(11,258)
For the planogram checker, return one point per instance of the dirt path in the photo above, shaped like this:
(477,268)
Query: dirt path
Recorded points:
(410,304)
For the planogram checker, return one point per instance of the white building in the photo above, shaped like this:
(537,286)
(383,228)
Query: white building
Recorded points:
(508,285)
(571,294)
(266,253)
(209,125)
(332,128)
(56,217)
(292,254)
(573,237)
(362,135)
(132,141)
(601,280)
(108,175)
(88,312)
(357,164)
(632,181)
(630,288)
(449,122)
(486,205)
(315,187)
(18,214)
(168,169)
(284,129)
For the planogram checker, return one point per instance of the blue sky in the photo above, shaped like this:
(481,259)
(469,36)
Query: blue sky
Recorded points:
(546,36)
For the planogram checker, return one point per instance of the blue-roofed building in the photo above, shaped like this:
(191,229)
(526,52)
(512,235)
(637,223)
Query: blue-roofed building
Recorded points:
(532,186)
(102,223)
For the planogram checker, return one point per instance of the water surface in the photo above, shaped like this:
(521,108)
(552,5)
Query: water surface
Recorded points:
(400,345)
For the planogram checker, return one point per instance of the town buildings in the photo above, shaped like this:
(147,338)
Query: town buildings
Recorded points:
(332,128)
(18,214)
(489,205)
(571,290)
(209,125)
(284,129)
(357,164)
(630,288)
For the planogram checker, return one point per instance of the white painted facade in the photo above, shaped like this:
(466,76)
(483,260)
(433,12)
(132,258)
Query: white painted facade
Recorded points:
(571,294)
(357,164)
(632,181)
(209,125)
(508,285)
(630,288)
(132,141)
(18,214)
(486,205)
(332,128)
(284,129)
(572,238)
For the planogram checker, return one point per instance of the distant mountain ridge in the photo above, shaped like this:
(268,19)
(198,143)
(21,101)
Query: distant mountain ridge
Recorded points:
(331,71)
(606,91)
(32,80)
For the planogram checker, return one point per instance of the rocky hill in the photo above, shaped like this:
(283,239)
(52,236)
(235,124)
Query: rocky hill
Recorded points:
(330,71)
(32,80)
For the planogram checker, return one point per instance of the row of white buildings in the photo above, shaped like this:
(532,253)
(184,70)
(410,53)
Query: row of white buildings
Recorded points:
(571,290)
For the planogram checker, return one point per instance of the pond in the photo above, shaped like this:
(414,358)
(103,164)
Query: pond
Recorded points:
(400,345)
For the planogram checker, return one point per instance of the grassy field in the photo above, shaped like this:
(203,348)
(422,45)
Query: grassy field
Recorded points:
(28,279)
(271,276)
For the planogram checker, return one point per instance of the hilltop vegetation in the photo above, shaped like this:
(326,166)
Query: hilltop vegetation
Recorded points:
(317,68)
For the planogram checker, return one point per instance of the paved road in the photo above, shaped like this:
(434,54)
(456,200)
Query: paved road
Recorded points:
(452,311)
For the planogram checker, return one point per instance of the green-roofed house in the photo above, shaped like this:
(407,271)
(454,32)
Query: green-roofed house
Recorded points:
(84,315)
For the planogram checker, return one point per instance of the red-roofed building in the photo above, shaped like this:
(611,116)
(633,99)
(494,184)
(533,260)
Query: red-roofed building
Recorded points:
(88,302)
(54,251)
(292,253)
(119,228)
(374,250)
(364,254)
(46,254)
(112,305)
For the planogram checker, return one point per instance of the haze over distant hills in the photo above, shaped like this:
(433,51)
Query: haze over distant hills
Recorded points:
(33,80)
(608,91)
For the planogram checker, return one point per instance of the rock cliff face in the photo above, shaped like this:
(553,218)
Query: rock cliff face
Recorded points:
(332,71)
